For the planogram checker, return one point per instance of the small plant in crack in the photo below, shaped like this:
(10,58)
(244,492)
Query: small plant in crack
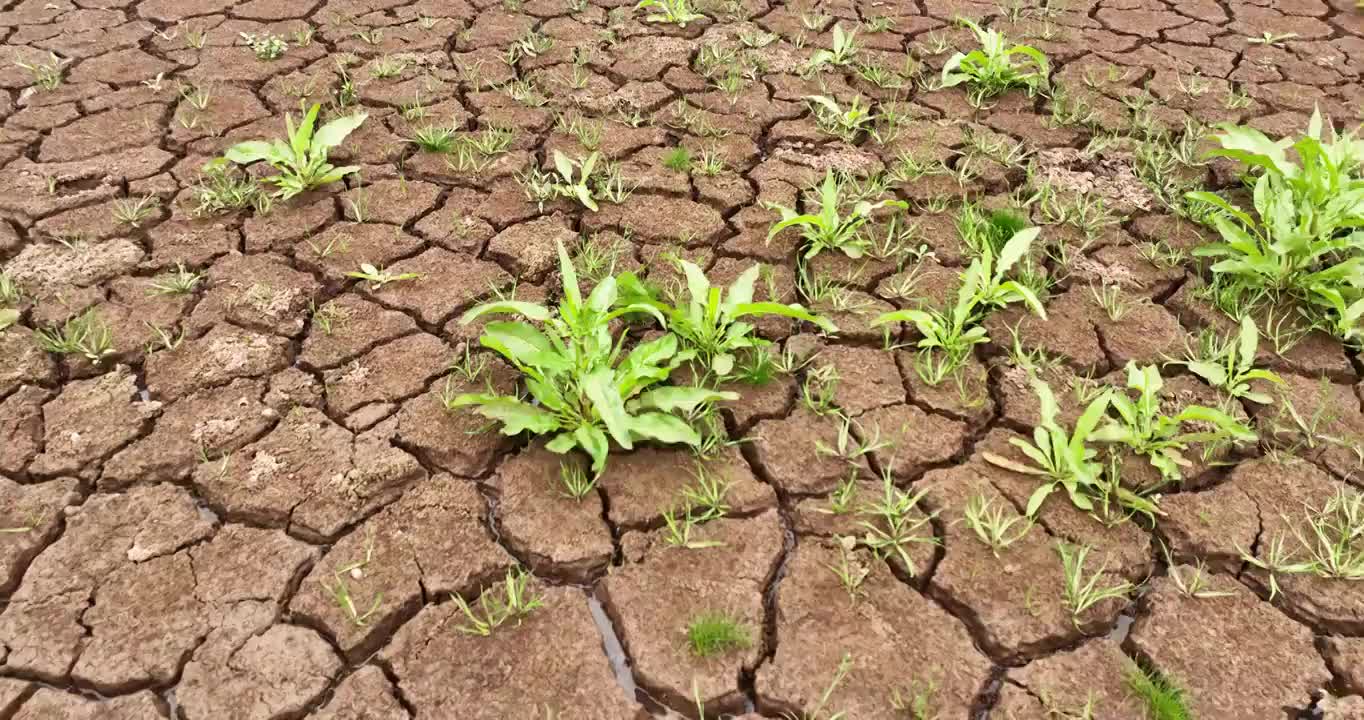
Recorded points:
(896,524)
(1332,546)
(47,75)
(378,277)
(916,701)
(829,229)
(266,46)
(679,159)
(1162,697)
(574,482)
(510,601)
(1230,365)
(821,709)
(85,335)
(1081,590)
(708,493)
(180,282)
(128,211)
(818,390)
(994,523)
(991,69)
(715,633)
(844,123)
(220,189)
(674,12)
(340,591)
(1110,299)
(301,162)
(852,447)
(1192,580)
(851,569)
(678,527)
(435,139)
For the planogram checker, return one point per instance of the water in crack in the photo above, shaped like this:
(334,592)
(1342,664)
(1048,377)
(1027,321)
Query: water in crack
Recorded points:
(1123,626)
(171,703)
(615,652)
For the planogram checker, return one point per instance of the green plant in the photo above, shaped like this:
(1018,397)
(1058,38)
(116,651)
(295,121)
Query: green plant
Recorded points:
(583,390)
(302,161)
(712,323)
(1163,699)
(1142,426)
(1065,458)
(1230,366)
(716,633)
(991,70)
(676,12)
(818,712)
(897,522)
(10,292)
(983,288)
(1305,238)
(85,335)
(378,277)
(128,211)
(498,605)
(46,75)
(678,158)
(340,591)
(841,51)
(1081,591)
(574,482)
(266,46)
(180,282)
(829,230)
(221,189)
(8,317)
(678,529)
(993,524)
(575,181)
(435,139)
(834,119)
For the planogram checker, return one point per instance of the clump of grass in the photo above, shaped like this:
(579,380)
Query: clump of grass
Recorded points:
(1164,700)
(715,634)
(86,335)
(511,601)
(679,159)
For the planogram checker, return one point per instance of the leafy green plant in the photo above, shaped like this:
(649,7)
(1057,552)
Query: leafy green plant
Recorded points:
(1065,459)
(8,317)
(678,158)
(991,69)
(843,123)
(378,277)
(1164,700)
(994,524)
(266,46)
(1305,237)
(1142,426)
(572,179)
(582,389)
(1230,366)
(437,139)
(1081,590)
(222,189)
(984,287)
(10,292)
(302,161)
(46,75)
(841,52)
(829,230)
(896,524)
(713,634)
(712,322)
(676,12)
(85,335)
(511,601)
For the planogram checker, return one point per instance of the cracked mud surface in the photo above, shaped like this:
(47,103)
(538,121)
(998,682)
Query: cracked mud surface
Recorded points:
(175,523)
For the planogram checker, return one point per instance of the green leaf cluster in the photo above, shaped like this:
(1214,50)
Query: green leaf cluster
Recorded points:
(829,229)
(992,69)
(585,390)
(302,160)
(1305,236)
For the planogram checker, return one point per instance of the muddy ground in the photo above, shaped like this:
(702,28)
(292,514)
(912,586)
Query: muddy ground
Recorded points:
(176,514)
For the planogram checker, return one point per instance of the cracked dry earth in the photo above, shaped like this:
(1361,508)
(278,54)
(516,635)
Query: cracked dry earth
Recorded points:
(173,515)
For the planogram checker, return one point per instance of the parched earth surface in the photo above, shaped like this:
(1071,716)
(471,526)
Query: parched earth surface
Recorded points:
(183,520)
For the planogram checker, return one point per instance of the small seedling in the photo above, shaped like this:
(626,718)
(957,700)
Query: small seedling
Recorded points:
(574,482)
(679,159)
(995,525)
(820,710)
(1081,591)
(840,53)
(1230,366)
(708,493)
(85,335)
(896,524)
(851,571)
(510,601)
(379,277)
(678,530)
(1270,39)
(266,46)
(713,634)
(128,211)
(180,282)
(676,12)
(46,75)
(302,161)
(830,230)
(844,123)
(220,189)
(438,140)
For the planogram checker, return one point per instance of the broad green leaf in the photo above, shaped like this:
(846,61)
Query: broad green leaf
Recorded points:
(1008,464)
(592,440)
(603,296)
(563,165)
(1014,249)
(722,364)
(524,345)
(8,317)
(684,399)
(530,311)
(664,428)
(1038,497)
(796,220)
(606,400)
(562,443)
(741,290)
(248,152)
(514,415)
(570,276)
